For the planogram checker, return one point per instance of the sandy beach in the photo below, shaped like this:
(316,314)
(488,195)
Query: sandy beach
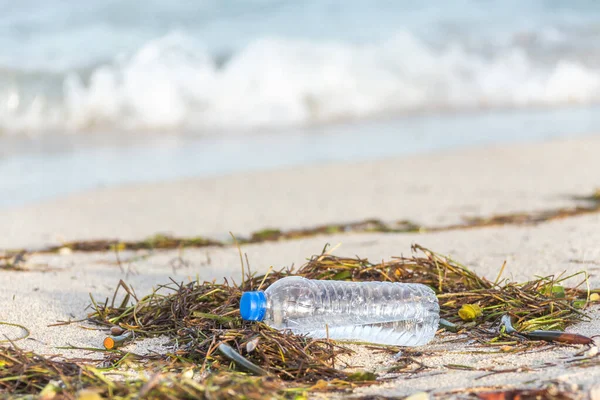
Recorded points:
(433,190)
(159,159)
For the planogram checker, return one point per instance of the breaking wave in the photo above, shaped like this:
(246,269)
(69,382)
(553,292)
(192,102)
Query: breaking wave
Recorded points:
(175,83)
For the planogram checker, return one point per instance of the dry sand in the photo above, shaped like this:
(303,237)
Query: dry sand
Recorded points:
(432,189)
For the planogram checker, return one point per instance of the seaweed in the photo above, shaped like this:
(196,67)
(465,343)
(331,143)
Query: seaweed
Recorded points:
(14,259)
(215,354)
(201,316)
(24,373)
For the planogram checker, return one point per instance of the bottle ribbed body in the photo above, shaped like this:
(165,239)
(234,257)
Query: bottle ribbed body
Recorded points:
(402,314)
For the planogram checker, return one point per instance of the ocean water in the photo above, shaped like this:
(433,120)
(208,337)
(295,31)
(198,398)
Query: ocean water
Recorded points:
(232,72)
(212,65)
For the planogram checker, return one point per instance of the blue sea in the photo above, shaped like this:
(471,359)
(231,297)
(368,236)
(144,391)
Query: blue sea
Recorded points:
(102,92)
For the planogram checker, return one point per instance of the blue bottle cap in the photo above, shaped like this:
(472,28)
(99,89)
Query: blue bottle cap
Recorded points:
(253,306)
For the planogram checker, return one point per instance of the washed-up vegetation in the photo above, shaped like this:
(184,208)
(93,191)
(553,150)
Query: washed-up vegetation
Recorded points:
(589,204)
(24,373)
(214,354)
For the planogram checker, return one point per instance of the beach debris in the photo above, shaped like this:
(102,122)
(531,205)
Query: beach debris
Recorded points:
(237,358)
(208,336)
(13,261)
(116,330)
(469,312)
(546,335)
(198,316)
(112,342)
(557,291)
(449,326)
(251,345)
(345,304)
(25,374)
(162,241)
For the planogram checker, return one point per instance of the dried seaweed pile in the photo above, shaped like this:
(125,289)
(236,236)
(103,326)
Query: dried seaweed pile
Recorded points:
(24,373)
(540,304)
(585,205)
(200,316)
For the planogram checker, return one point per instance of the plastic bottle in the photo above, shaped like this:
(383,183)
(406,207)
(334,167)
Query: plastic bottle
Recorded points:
(405,314)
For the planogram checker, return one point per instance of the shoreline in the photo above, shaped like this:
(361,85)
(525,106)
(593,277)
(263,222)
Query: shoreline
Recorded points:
(47,168)
(433,189)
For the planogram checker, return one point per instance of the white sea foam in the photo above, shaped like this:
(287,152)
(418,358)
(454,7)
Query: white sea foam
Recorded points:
(174,82)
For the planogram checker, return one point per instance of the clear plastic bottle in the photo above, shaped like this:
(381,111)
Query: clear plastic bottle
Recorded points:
(404,314)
